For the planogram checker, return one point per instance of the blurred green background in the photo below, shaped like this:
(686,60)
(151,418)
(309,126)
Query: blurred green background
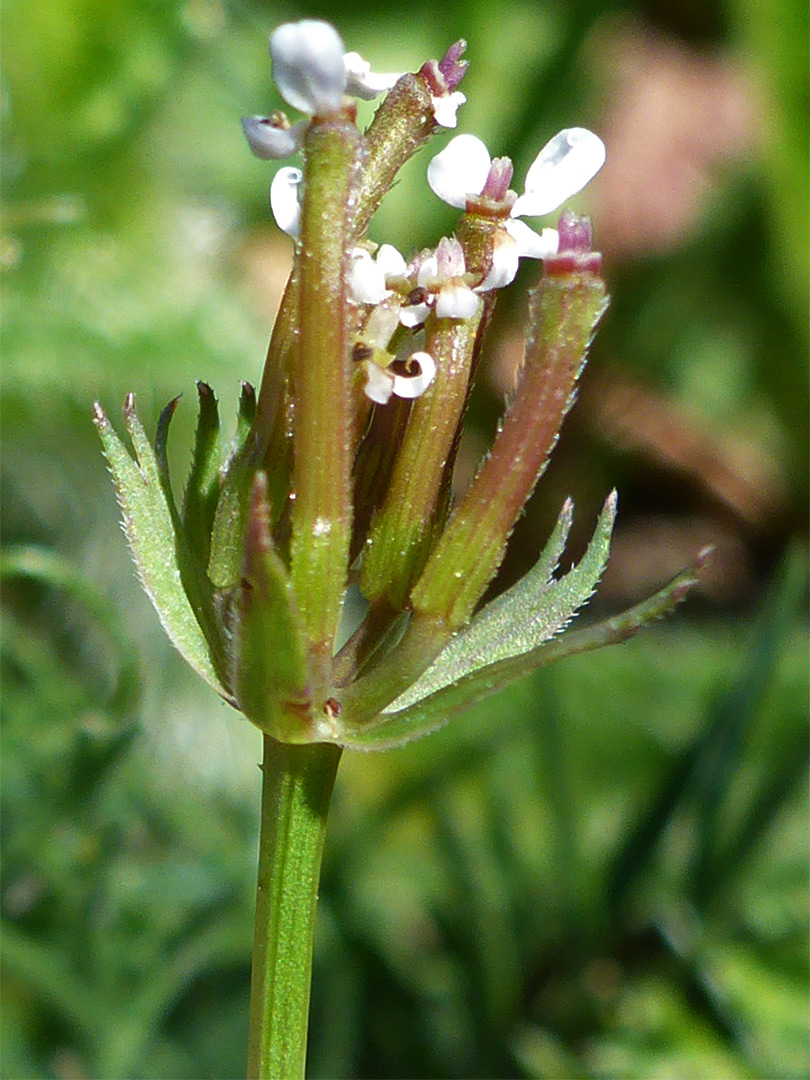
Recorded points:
(602,873)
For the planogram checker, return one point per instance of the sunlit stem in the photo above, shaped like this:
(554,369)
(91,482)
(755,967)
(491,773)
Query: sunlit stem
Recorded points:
(401,125)
(405,525)
(321,372)
(297,783)
(421,643)
(563,314)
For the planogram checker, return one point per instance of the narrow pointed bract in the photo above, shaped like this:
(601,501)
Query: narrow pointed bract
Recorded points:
(274,696)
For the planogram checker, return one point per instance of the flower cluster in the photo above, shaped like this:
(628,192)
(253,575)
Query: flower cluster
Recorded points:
(338,483)
(313,74)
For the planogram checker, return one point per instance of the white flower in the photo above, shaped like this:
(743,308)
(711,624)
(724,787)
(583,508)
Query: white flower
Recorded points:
(308,66)
(367,275)
(442,274)
(514,242)
(406,377)
(409,379)
(419,372)
(361,81)
(379,383)
(313,72)
(445,108)
(442,77)
(391,262)
(414,315)
(284,200)
(460,170)
(561,169)
(456,301)
(269,137)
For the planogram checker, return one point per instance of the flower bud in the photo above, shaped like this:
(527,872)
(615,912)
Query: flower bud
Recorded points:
(308,66)
(272,137)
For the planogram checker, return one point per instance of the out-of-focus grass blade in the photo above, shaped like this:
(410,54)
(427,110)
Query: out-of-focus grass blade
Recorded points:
(736,713)
(47,567)
(703,771)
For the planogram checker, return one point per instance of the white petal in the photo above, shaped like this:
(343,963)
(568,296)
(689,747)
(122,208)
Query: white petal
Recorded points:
(428,271)
(459,170)
(308,66)
(414,315)
(533,245)
(268,141)
(379,383)
(361,81)
(284,200)
(505,259)
(366,280)
(390,261)
(413,386)
(446,107)
(382,323)
(456,302)
(450,258)
(561,169)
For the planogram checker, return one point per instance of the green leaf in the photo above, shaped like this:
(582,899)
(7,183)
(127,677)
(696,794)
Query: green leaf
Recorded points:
(531,612)
(196,583)
(162,458)
(151,535)
(203,486)
(230,519)
(395,729)
(245,414)
(271,670)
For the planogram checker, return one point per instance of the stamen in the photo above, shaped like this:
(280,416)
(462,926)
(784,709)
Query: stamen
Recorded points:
(361,351)
(419,295)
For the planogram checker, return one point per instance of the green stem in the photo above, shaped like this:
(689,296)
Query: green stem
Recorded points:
(297,783)
(399,542)
(563,314)
(321,374)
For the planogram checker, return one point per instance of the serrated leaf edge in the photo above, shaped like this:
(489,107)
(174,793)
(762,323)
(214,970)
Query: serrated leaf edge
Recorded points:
(531,612)
(139,479)
(430,714)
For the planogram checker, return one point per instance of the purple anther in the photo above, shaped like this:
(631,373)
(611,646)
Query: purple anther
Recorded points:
(498,179)
(574,232)
(452,67)
(574,253)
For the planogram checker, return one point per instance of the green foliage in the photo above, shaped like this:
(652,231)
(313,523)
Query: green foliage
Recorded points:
(525,616)
(158,547)
(104,916)
(477,905)
(272,661)
(489,908)
(398,724)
